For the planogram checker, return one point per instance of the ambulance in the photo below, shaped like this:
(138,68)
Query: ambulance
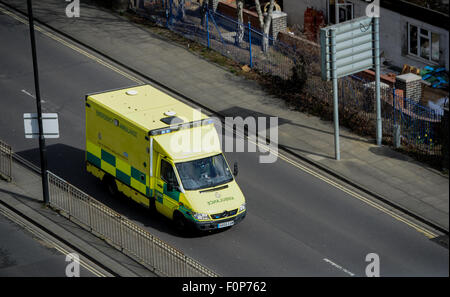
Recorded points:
(163,154)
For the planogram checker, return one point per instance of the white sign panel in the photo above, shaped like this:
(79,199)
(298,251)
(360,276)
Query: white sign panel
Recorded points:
(49,123)
(354,47)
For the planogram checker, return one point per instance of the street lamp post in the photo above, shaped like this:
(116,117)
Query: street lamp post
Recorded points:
(42,148)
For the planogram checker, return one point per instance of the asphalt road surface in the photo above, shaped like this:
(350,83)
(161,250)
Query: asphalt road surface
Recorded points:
(25,252)
(297,224)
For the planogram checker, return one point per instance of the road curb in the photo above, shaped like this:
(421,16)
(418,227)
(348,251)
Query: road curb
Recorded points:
(321,167)
(362,188)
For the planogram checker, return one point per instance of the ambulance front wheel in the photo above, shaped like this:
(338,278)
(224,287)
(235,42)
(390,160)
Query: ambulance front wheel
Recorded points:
(180,222)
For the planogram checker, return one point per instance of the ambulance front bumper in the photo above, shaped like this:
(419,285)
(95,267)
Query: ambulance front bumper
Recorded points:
(219,224)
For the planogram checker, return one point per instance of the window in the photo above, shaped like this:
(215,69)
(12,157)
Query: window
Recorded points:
(167,173)
(204,173)
(345,10)
(423,43)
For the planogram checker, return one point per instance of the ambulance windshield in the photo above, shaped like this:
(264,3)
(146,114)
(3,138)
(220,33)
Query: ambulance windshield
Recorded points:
(204,173)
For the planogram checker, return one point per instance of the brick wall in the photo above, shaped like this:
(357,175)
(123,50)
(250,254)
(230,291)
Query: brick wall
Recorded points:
(369,75)
(279,23)
(229,10)
(411,84)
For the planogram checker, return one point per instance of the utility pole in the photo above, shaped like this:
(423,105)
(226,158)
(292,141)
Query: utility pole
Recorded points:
(42,148)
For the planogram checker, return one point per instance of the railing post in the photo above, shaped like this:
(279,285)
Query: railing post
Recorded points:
(121,233)
(90,214)
(10,164)
(207,27)
(70,200)
(250,43)
(170,12)
(393,102)
(167,14)
(5,161)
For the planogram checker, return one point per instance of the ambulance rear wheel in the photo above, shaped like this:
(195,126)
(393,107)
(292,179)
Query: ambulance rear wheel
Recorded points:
(111,185)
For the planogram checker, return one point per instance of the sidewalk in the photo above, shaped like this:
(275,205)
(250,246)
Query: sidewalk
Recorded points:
(391,176)
(24,195)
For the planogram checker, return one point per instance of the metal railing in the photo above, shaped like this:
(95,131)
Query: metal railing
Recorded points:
(121,233)
(220,33)
(5,161)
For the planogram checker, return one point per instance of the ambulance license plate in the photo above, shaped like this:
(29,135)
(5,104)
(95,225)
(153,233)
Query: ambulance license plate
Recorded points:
(226,224)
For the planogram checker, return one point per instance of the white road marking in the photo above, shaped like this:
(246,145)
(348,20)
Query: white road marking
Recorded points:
(338,267)
(31,95)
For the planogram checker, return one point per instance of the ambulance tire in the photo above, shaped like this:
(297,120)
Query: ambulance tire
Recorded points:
(111,185)
(180,223)
(152,206)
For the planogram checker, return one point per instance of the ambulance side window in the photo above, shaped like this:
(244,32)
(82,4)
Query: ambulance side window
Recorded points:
(167,173)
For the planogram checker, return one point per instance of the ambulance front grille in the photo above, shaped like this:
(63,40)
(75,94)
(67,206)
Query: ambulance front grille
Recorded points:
(224,214)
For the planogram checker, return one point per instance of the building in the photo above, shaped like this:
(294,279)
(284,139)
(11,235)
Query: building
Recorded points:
(409,33)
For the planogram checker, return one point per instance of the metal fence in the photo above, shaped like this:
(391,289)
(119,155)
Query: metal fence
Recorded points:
(121,233)
(221,33)
(5,161)
(420,126)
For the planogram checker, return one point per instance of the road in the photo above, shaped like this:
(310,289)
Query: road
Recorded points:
(27,251)
(297,224)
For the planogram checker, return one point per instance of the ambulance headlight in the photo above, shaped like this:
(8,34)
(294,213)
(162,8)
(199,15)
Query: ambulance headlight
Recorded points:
(201,216)
(242,207)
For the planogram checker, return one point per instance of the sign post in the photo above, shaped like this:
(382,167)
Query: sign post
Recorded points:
(376,38)
(348,48)
(337,149)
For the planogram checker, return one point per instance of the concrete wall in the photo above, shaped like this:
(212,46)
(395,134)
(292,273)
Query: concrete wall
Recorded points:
(393,31)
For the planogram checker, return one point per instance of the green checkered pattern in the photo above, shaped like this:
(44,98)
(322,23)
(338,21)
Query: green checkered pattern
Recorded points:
(124,172)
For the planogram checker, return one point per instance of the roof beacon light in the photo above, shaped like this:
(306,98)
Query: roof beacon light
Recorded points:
(132,92)
(170,113)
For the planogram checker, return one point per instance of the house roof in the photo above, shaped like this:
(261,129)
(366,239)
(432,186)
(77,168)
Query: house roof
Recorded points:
(437,5)
(419,11)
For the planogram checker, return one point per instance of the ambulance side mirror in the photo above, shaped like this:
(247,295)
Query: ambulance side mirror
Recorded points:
(235,169)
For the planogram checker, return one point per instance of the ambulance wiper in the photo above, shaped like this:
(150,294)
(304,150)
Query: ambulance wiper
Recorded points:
(215,189)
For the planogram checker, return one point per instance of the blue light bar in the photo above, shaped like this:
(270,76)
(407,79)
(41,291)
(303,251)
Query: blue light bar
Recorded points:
(189,125)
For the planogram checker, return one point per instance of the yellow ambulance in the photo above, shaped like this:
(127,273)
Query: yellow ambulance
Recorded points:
(162,154)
